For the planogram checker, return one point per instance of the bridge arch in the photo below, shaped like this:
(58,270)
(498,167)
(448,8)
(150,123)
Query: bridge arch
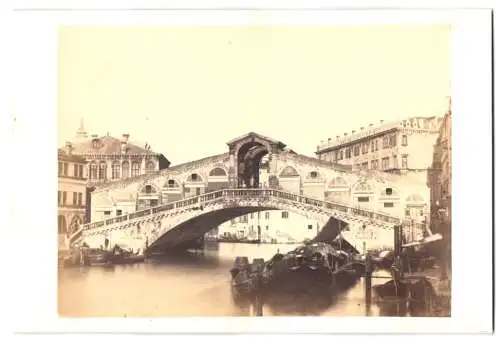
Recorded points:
(415,207)
(313,184)
(171,189)
(194,177)
(149,195)
(363,194)
(218,171)
(195,223)
(194,184)
(218,178)
(389,200)
(338,190)
(289,171)
(290,179)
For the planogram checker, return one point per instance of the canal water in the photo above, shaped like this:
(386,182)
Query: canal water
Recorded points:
(192,284)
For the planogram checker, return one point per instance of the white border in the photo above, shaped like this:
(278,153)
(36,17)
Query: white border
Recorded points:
(33,86)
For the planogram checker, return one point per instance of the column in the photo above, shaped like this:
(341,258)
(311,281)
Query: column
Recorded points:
(109,164)
(273,167)
(143,165)
(232,170)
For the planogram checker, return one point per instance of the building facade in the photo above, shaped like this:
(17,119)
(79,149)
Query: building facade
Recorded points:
(401,147)
(110,159)
(71,194)
(395,146)
(440,178)
(275,226)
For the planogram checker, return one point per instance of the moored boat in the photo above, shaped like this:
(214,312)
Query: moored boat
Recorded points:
(311,268)
(120,255)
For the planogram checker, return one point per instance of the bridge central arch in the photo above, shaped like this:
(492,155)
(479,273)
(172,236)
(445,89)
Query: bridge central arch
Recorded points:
(247,153)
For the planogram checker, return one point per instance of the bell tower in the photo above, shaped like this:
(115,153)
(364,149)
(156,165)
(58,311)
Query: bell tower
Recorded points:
(81,134)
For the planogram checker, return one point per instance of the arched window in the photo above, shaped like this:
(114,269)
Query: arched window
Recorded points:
(217,172)
(363,187)
(102,170)
(171,183)
(136,169)
(150,167)
(148,189)
(93,171)
(337,182)
(115,170)
(289,172)
(125,170)
(195,178)
(96,144)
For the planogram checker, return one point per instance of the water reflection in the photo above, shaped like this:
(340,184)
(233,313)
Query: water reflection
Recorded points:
(192,284)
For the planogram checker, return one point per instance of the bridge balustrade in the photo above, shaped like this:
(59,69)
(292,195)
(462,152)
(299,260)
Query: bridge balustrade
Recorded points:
(164,207)
(258,193)
(334,206)
(141,213)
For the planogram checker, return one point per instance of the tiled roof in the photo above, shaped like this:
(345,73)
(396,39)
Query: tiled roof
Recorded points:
(107,145)
(63,155)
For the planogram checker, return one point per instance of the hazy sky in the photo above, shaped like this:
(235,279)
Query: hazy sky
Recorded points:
(188,90)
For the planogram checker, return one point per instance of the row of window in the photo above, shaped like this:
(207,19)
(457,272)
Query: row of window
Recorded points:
(123,170)
(63,170)
(244,218)
(384,163)
(62,198)
(388,141)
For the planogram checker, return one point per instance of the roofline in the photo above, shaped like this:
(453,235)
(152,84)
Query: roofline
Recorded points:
(253,134)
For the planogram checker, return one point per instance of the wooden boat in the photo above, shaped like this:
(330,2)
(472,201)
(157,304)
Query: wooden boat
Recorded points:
(120,255)
(97,257)
(311,268)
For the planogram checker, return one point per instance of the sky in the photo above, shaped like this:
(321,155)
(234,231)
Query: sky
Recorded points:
(187,91)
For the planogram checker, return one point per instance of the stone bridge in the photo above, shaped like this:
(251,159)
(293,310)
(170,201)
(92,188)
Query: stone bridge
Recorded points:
(184,201)
(181,221)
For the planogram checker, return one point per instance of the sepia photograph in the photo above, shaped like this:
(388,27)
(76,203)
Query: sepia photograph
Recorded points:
(177,168)
(257,164)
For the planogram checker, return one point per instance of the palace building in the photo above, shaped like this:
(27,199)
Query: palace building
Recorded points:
(108,159)
(71,193)
(395,146)
(111,159)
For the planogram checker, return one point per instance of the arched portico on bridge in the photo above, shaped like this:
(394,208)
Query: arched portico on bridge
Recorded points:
(246,154)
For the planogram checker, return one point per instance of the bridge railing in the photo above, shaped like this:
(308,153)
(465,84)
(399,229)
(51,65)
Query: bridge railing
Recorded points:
(252,193)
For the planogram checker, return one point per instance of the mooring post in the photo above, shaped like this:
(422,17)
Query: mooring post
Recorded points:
(368,284)
(258,295)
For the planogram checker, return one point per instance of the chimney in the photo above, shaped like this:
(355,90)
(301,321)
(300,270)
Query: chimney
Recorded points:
(371,125)
(381,121)
(329,139)
(94,136)
(353,131)
(362,128)
(125,137)
(338,137)
(69,147)
(345,134)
